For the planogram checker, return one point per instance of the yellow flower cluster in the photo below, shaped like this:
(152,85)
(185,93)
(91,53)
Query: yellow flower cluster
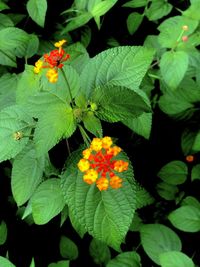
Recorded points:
(99,165)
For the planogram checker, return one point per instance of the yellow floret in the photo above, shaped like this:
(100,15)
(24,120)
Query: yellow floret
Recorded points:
(60,43)
(52,75)
(107,142)
(90,176)
(86,153)
(83,165)
(96,144)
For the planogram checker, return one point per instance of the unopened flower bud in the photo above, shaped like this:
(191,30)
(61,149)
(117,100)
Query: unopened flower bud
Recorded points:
(184,38)
(185,28)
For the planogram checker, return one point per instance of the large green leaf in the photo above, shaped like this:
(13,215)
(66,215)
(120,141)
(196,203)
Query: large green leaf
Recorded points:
(5,262)
(28,84)
(128,259)
(173,66)
(26,174)
(14,121)
(106,215)
(55,124)
(8,83)
(124,66)
(175,259)
(152,233)
(174,172)
(37,11)
(13,42)
(186,218)
(117,103)
(47,201)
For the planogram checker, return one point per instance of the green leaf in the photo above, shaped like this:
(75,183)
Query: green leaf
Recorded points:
(175,259)
(191,201)
(99,251)
(8,83)
(55,124)
(102,7)
(26,174)
(135,3)
(5,21)
(128,259)
(47,201)
(13,42)
(187,141)
(32,263)
(196,144)
(133,22)
(140,125)
(64,215)
(195,175)
(59,264)
(28,85)
(3,6)
(32,46)
(168,240)
(122,66)
(92,124)
(13,120)
(158,9)
(174,172)
(143,198)
(167,191)
(78,227)
(116,103)
(37,11)
(3,233)
(5,262)
(186,218)
(192,11)
(136,223)
(173,66)
(77,22)
(68,249)
(168,37)
(106,215)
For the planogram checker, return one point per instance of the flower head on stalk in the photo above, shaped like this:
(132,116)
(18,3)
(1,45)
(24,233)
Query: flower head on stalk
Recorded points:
(99,165)
(52,61)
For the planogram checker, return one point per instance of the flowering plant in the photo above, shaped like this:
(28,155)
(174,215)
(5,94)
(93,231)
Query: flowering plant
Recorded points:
(88,139)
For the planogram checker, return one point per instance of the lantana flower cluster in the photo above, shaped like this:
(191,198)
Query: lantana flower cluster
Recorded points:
(53,61)
(100,166)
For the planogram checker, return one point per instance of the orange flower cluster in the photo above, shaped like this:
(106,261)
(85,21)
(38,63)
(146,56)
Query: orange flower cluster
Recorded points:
(53,61)
(99,166)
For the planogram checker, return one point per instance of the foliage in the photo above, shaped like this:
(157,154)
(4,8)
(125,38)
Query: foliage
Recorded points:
(81,104)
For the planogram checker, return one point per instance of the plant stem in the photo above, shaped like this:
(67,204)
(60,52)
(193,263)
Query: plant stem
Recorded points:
(68,147)
(85,136)
(68,86)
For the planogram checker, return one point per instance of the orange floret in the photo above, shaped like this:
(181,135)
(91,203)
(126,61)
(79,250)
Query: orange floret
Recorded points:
(120,166)
(102,183)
